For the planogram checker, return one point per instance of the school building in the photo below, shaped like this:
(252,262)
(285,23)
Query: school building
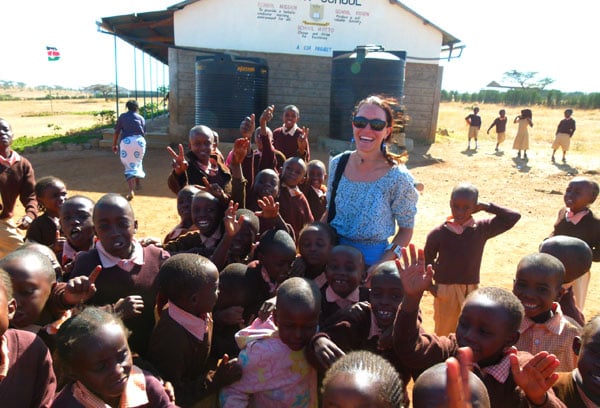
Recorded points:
(298,40)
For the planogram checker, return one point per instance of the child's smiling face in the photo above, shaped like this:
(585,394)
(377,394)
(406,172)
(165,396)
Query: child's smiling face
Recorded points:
(316,176)
(386,294)
(344,271)
(266,183)
(206,213)
(537,290)
(462,206)
(103,363)
(293,172)
(485,327)
(202,146)
(290,118)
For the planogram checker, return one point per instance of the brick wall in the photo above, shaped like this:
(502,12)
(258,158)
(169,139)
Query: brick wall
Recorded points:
(303,81)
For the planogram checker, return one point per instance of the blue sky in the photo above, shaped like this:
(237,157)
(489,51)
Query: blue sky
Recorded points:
(551,38)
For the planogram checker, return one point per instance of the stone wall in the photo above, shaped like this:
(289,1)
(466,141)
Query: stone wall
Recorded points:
(303,81)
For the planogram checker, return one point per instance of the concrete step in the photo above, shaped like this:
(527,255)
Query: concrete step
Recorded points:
(153,139)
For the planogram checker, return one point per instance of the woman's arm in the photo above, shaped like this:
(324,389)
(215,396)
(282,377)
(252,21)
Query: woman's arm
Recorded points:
(401,239)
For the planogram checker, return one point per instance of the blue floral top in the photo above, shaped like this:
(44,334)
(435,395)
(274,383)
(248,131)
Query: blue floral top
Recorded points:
(368,212)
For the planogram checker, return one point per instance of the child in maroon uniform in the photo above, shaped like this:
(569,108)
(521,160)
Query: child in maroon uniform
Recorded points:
(97,363)
(290,139)
(77,226)
(17,180)
(26,374)
(181,341)
(184,210)
(315,188)
(489,324)
(344,272)
(51,194)
(199,163)
(580,388)
(127,282)
(314,245)
(455,249)
(293,204)
(207,216)
(577,220)
(366,325)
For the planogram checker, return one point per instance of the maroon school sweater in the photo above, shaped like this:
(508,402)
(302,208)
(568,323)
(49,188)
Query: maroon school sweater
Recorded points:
(288,144)
(17,181)
(30,381)
(115,283)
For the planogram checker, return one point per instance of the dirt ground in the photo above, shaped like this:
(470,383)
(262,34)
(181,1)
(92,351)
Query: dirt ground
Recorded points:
(534,188)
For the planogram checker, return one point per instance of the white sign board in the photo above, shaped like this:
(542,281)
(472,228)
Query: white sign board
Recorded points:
(305,27)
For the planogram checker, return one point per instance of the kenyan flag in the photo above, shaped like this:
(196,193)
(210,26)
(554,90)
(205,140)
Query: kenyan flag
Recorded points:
(53,54)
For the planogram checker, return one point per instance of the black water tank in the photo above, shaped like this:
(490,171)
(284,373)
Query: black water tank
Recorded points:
(229,88)
(367,70)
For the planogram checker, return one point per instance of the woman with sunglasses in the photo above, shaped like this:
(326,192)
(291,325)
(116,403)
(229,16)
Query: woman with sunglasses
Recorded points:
(374,198)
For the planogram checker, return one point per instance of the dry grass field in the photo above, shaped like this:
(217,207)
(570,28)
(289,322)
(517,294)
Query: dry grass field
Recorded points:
(533,187)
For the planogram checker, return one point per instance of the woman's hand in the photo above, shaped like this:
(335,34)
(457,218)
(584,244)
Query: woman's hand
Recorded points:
(179,163)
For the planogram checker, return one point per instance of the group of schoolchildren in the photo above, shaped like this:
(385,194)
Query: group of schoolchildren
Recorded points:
(250,301)
(562,137)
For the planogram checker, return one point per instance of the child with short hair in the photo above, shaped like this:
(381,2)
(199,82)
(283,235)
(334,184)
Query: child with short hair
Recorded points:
(315,188)
(538,285)
(17,181)
(26,372)
(290,139)
(455,249)
(362,378)
(580,388)
(489,324)
(431,389)
(315,242)
(231,313)
(181,341)
(500,124)
(50,193)
(365,325)
(576,257)
(77,226)
(241,234)
(293,204)
(273,258)
(207,215)
(184,210)
(199,163)
(95,358)
(344,272)
(275,372)
(474,122)
(577,220)
(127,282)
(564,133)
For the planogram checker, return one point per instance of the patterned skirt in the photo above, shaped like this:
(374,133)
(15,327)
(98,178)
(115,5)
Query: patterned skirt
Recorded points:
(131,150)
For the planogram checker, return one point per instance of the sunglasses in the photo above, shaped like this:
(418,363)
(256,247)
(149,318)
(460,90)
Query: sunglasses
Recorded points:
(361,122)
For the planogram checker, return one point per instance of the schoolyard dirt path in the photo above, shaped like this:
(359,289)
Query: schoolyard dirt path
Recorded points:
(534,188)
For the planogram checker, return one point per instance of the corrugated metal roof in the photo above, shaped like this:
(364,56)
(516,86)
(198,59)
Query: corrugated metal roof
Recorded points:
(151,32)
